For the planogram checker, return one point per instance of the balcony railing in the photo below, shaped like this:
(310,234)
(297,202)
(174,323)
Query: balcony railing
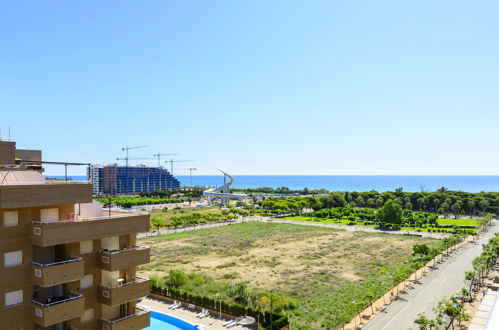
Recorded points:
(116,252)
(41,183)
(75,259)
(138,320)
(58,300)
(124,292)
(50,274)
(121,259)
(137,280)
(58,309)
(73,217)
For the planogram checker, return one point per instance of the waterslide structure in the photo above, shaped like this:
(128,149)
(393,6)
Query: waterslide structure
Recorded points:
(223,192)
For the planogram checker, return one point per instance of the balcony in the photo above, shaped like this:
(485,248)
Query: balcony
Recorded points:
(124,292)
(44,194)
(121,259)
(55,273)
(60,309)
(138,320)
(82,229)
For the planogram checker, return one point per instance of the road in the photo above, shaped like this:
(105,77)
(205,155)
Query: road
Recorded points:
(442,282)
(357,228)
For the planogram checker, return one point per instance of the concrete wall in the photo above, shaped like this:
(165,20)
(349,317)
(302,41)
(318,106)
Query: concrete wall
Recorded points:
(7,153)
(34,155)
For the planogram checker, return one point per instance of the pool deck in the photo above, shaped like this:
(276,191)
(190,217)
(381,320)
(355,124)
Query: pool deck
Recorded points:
(211,322)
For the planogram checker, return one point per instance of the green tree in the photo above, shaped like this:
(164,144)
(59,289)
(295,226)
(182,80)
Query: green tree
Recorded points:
(484,204)
(176,278)
(240,293)
(425,323)
(391,213)
(456,208)
(272,301)
(157,223)
(420,249)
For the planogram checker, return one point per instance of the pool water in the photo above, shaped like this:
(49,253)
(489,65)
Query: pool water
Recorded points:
(163,321)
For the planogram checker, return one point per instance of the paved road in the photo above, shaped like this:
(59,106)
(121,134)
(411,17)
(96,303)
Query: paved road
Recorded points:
(443,282)
(357,228)
(188,228)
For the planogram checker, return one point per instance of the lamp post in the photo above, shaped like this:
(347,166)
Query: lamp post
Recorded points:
(220,304)
(219,298)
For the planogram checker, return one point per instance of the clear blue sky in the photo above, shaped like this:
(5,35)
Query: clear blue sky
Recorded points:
(257,87)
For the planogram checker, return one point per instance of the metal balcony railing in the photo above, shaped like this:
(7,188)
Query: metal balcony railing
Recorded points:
(58,300)
(117,286)
(138,311)
(71,217)
(115,252)
(67,261)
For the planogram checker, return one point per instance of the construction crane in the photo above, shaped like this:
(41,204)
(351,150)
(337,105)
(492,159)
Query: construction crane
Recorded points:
(159,157)
(190,169)
(175,161)
(144,158)
(128,148)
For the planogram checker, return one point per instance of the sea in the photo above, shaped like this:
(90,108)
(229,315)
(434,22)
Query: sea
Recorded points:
(410,183)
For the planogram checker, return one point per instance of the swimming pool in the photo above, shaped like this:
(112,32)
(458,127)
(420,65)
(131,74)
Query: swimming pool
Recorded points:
(162,321)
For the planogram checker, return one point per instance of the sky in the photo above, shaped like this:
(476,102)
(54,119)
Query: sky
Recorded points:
(256,87)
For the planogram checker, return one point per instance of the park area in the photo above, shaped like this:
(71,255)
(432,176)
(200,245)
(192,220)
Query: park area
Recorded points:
(188,216)
(326,275)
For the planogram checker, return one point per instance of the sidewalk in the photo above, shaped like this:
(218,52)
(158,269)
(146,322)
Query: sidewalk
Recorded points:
(482,315)
(442,282)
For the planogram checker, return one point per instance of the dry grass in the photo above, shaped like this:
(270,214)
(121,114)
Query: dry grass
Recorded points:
(304,262)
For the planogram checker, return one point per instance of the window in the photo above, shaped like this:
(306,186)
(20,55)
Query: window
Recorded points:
(10,218)
(110,243)
(49,215)
(88,315)
(14,258)
(14,298)
(87,281)
(86,247)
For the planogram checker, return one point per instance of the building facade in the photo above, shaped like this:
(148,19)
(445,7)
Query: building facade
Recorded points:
(64,262)
(95,175)
(118,180)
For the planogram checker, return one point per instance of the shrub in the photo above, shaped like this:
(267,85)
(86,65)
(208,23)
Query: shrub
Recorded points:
(176,278)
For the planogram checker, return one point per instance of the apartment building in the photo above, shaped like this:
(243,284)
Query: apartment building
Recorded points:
(64,262)
(95,175)
(136,179)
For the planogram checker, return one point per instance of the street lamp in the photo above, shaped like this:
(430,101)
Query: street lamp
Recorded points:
(220,305)
(219,298)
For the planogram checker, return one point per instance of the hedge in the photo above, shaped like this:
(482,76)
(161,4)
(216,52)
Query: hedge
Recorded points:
(278,320)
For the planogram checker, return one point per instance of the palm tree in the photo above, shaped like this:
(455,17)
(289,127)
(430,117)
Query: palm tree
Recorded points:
(272,301)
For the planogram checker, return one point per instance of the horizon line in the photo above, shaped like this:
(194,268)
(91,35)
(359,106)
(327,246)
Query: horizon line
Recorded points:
(70,175)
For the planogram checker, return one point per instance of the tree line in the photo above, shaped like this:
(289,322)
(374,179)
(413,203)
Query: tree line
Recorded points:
(442,201)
